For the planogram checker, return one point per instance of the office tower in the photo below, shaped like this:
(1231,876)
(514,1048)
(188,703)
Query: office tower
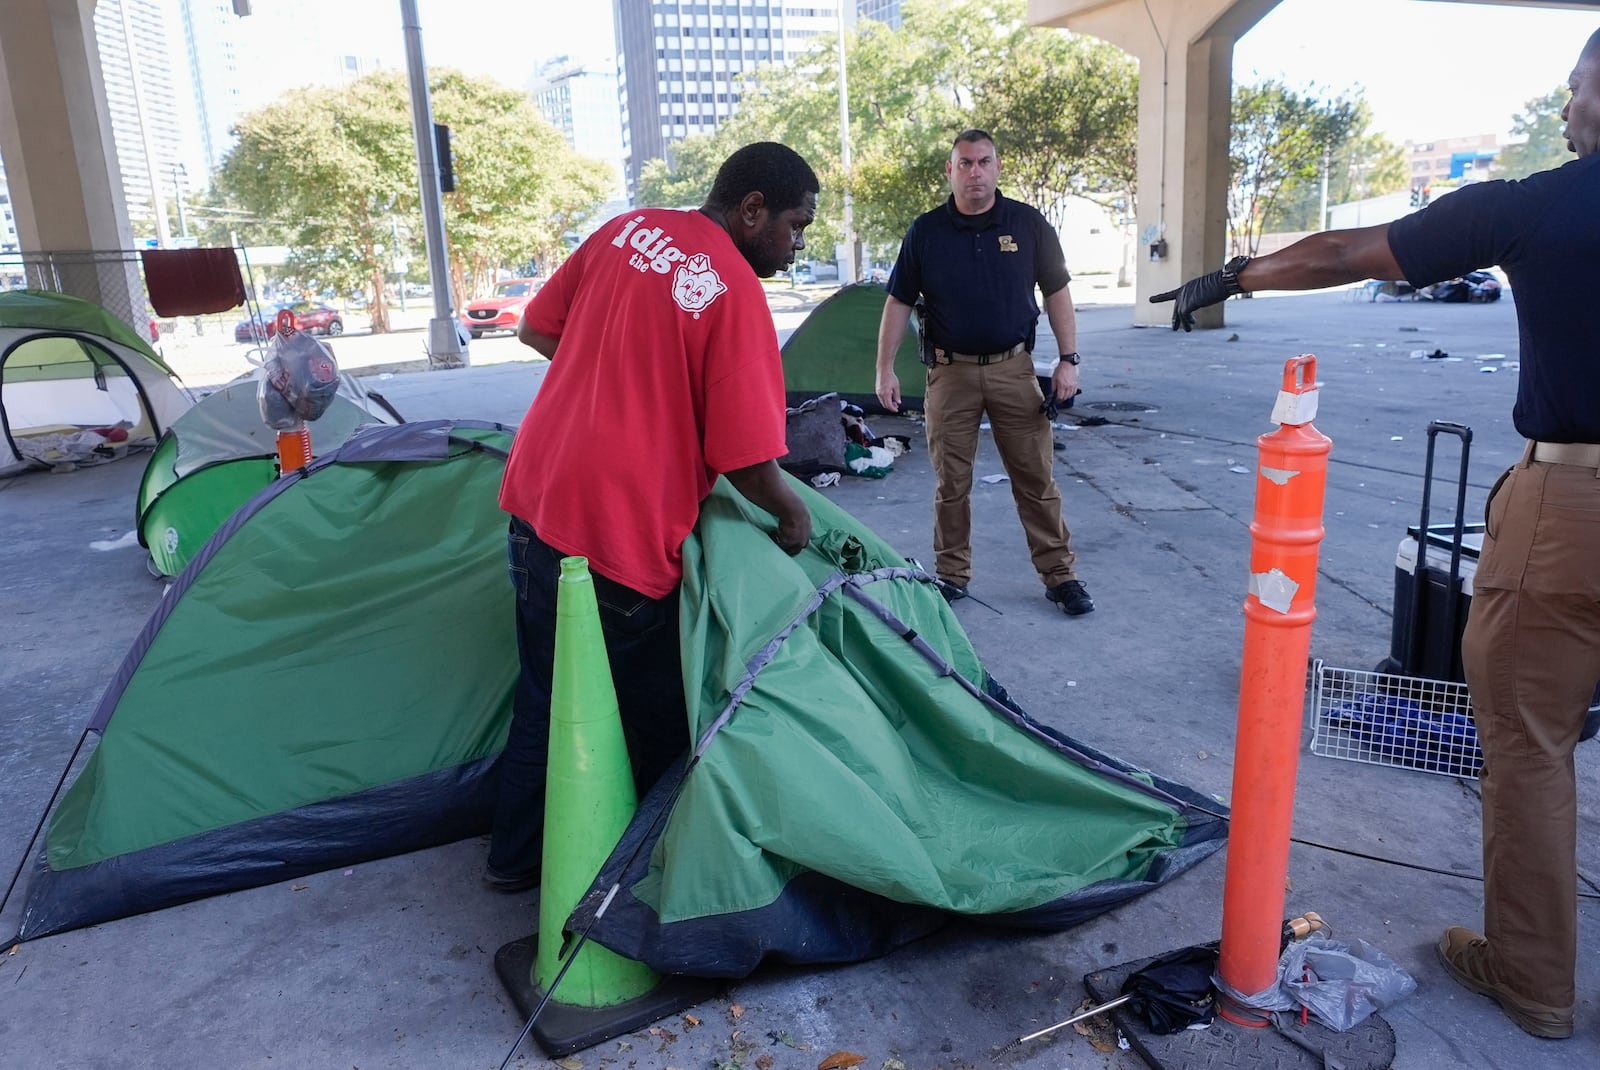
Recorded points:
(211,33)
(677,62)
(885,11)
(580,100)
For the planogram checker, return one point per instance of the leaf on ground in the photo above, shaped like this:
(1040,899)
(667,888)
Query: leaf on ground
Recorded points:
(893,1064)
(764,1061)
(298,887)
(841,1060)
(570,1064)
(665,1034)
(1100,1030)
(735,1010)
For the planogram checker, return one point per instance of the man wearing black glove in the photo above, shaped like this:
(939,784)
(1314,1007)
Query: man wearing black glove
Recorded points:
(1204,291)
(1532,644)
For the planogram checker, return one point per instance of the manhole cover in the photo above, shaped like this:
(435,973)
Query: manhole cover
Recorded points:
(1121,406)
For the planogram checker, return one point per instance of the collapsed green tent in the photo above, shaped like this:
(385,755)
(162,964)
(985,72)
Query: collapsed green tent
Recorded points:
(835,350)
(859,777)
(69,368)
(219,453)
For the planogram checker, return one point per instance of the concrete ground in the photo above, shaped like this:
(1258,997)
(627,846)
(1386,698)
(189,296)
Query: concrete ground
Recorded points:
(389,963)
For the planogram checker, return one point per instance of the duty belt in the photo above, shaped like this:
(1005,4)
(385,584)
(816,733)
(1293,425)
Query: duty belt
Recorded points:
(946,356)
(1581,454)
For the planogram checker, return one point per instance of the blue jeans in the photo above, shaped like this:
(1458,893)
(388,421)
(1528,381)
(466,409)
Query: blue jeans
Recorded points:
(641,636)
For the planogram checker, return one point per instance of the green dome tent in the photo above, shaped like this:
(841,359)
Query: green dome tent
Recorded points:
(68,367)
(219,453)
(835,350)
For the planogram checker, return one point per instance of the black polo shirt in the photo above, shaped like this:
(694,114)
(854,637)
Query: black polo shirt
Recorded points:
(976,273)
(1545,232)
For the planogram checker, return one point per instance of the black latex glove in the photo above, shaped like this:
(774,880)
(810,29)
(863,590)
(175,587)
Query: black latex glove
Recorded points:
(1195,294)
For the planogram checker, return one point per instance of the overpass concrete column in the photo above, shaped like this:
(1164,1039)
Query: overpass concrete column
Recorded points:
(61,159)
(1185,54)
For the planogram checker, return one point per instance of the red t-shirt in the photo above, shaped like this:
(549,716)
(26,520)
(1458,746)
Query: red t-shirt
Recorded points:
(667,374)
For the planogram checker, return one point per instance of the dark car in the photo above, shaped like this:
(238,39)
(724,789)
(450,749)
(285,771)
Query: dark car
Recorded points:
(502,310)
(313,317)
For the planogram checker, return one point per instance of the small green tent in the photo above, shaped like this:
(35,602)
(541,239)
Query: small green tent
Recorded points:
(835,350)
(68,367)
(219,453)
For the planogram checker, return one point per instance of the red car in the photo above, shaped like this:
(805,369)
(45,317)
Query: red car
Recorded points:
(502,310)
(312,316)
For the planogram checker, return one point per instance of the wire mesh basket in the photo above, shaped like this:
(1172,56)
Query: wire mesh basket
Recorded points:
(1384,719)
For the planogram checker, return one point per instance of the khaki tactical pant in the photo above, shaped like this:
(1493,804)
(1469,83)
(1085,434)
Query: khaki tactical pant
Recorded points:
(958,395)
(1532,656)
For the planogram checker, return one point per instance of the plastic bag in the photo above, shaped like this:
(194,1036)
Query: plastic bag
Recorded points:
(1341,983)
(298,380)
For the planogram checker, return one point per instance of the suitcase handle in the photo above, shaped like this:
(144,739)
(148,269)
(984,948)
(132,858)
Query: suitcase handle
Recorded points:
(1419,579)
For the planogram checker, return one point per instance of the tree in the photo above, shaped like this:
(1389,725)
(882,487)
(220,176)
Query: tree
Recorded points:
(519,188)
(344,184)
(1365,164)
(1278,137)
(1543,144)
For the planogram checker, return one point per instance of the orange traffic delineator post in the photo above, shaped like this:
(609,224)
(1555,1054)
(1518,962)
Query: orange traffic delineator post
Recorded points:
(589,801)
(1290,480)
(294,449)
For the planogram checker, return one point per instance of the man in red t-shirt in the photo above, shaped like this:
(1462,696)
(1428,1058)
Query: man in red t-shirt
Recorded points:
(665,373)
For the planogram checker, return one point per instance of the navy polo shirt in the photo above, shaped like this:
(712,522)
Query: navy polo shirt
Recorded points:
(1545,232)
(975,274)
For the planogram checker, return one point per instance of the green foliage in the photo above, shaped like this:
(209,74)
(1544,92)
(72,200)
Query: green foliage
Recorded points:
(1062,108)
(1544,145)
(335,168)
(1279,137)
(1365,164)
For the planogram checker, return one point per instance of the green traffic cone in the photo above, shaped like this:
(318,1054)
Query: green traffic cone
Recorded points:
(589,799)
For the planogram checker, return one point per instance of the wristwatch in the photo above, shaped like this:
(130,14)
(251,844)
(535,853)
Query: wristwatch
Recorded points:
(1230,275)
(1070,358)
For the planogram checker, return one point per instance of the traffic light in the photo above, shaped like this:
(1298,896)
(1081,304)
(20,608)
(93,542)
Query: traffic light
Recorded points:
(1416,197)
(447,163)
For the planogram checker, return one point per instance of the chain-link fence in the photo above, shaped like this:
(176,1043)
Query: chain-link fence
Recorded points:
(112,279)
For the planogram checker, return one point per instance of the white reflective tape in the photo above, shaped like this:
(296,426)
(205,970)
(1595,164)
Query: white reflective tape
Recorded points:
(1294,409)
(1274,589)
(1280,476)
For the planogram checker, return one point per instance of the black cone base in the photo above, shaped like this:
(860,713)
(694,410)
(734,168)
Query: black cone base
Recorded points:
(563,1028)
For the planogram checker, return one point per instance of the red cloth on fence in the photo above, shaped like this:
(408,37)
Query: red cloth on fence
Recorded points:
(191,282)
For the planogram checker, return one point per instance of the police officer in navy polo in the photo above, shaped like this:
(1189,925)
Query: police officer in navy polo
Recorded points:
(971,265)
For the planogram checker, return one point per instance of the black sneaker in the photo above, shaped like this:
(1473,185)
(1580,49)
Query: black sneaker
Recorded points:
(1072,596)
(953,592)
(496,881)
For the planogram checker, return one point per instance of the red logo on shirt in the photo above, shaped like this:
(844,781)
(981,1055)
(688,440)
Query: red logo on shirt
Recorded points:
(696,285)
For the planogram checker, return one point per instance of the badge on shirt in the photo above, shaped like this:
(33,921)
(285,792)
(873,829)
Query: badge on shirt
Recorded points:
(696,284)
(1007,245)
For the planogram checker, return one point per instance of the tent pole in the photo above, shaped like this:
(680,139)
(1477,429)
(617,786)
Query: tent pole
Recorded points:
(27,852)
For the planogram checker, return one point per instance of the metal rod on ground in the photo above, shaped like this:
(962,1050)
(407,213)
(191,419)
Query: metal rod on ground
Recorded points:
(1290,479)
(1074,1020)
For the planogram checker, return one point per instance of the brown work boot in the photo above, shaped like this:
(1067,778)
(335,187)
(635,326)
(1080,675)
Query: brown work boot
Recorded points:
(1465,955)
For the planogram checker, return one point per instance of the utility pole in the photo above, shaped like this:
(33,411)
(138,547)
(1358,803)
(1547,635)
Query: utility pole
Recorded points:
(444,343)
(1322,216)
(180,172)
(849,271)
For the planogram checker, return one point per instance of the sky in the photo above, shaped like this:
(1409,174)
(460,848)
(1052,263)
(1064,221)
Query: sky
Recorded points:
(1430,70)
